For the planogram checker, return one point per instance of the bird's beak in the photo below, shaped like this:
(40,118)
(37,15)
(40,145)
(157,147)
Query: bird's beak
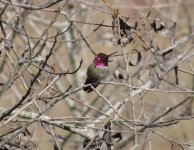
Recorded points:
(112,54)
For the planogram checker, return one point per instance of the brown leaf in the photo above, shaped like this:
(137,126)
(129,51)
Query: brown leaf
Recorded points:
(122,31)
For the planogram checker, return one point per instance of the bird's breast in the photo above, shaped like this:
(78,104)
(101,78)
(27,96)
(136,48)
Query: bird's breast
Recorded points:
(97,74)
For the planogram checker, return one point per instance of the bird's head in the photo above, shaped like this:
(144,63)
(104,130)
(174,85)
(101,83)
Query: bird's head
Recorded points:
(101,59)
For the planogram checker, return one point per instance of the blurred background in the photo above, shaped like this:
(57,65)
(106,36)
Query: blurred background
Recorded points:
(156,115)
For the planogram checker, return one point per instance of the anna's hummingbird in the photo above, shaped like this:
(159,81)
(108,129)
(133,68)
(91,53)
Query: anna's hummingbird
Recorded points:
(97,71)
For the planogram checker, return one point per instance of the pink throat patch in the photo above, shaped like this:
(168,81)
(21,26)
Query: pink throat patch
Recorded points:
(99,63)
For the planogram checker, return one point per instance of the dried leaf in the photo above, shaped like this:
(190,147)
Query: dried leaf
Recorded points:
(160,28)
(117,75)
(176,74)
(105,142)
(157,26)
(122,31)
(139,58)
(155,79)
(2,29)
(159,58)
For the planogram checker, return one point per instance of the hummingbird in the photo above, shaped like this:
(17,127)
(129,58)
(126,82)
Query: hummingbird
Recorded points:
(97,71)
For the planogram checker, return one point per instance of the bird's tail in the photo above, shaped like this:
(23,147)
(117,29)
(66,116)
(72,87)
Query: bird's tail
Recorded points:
(88,88)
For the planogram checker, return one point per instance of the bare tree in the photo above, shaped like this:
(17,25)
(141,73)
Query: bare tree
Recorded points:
(145,101)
